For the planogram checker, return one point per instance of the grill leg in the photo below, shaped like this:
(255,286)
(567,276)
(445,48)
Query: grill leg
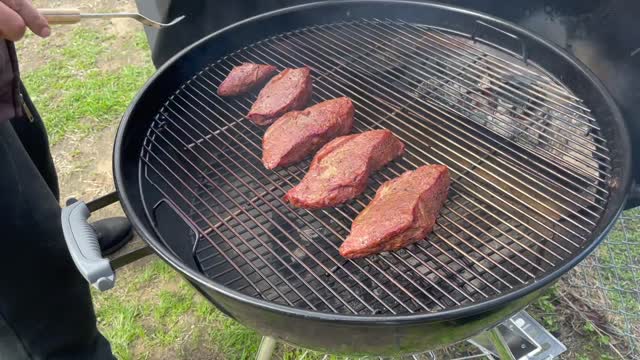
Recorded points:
(501,346)
(267,345)
(519,337)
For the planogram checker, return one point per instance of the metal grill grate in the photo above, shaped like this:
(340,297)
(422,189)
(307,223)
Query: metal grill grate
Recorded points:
(528,167)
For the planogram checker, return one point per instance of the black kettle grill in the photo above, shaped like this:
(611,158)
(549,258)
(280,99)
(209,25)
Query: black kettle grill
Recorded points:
(539,153)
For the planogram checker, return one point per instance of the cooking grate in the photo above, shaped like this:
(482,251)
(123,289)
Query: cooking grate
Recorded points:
(529,171)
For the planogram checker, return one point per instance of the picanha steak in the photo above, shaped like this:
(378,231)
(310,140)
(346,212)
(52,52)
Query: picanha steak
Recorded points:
(297,134)
(245,77)
(403,211)
(341,168)
(289,90)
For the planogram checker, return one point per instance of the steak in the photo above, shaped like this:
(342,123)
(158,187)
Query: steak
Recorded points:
(244,78)
(289,90)
(403,211)
(298,134)
(341,168)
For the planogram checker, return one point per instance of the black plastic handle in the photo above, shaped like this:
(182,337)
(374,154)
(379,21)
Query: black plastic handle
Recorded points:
(82,242)
(84,247)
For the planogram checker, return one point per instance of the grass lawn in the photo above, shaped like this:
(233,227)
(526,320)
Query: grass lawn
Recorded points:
(74,94)
(154,314)
(595,310)
(81,85)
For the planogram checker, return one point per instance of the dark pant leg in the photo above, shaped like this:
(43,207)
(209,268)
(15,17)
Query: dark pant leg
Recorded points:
(45,305)
(33,136)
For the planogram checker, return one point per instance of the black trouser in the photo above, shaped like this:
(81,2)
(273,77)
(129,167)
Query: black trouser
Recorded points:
(45,305)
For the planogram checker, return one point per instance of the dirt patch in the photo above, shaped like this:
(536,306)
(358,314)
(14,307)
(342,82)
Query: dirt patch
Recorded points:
(31,60)
(196,349)
(89,5)
(582,305)
(191,346)
(128,32)
(84,166)
(123,29)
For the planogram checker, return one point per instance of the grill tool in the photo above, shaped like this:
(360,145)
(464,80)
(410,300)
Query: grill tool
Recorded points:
(73,16)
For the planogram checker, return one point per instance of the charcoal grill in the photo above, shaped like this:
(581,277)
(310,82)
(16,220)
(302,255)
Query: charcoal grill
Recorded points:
(538,153)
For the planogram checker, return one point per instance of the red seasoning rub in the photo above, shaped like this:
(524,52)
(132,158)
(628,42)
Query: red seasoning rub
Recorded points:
(245,78)
(289,90)
(403,211)
(298,134)
(340,170)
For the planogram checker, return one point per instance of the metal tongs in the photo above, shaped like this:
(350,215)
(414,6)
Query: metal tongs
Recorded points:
(72,16)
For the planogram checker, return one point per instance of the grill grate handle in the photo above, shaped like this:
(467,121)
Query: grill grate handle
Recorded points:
(523,46)
(73,16)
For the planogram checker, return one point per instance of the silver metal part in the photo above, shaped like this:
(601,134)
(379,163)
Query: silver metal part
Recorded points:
(136,16)
(520,337)
(61,16)
(267,346)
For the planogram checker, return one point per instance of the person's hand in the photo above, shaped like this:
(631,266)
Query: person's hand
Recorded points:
(17,15)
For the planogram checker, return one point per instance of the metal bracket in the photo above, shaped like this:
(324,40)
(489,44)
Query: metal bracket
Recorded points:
(131,256)
(119,260)
(103,201)
(519,338)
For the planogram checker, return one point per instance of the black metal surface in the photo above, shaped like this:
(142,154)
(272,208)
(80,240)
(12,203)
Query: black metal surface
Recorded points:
(123,259)
(256,255)
(102,201)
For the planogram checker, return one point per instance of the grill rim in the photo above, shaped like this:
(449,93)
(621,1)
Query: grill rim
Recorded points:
(619,192)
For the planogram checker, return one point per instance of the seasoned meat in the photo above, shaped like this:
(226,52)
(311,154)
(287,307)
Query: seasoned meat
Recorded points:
(340,170)
(298,134)
(403,211)
(289,90)
(244,78)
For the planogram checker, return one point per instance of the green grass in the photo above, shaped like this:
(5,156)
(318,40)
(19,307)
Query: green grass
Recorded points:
(152,310)
(546,311)
(120,321)
(234,340)
(615,267)
(566,324)
(614,259)
(73,94)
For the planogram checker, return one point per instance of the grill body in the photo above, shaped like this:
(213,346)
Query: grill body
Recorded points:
(365,336)
(380,306)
